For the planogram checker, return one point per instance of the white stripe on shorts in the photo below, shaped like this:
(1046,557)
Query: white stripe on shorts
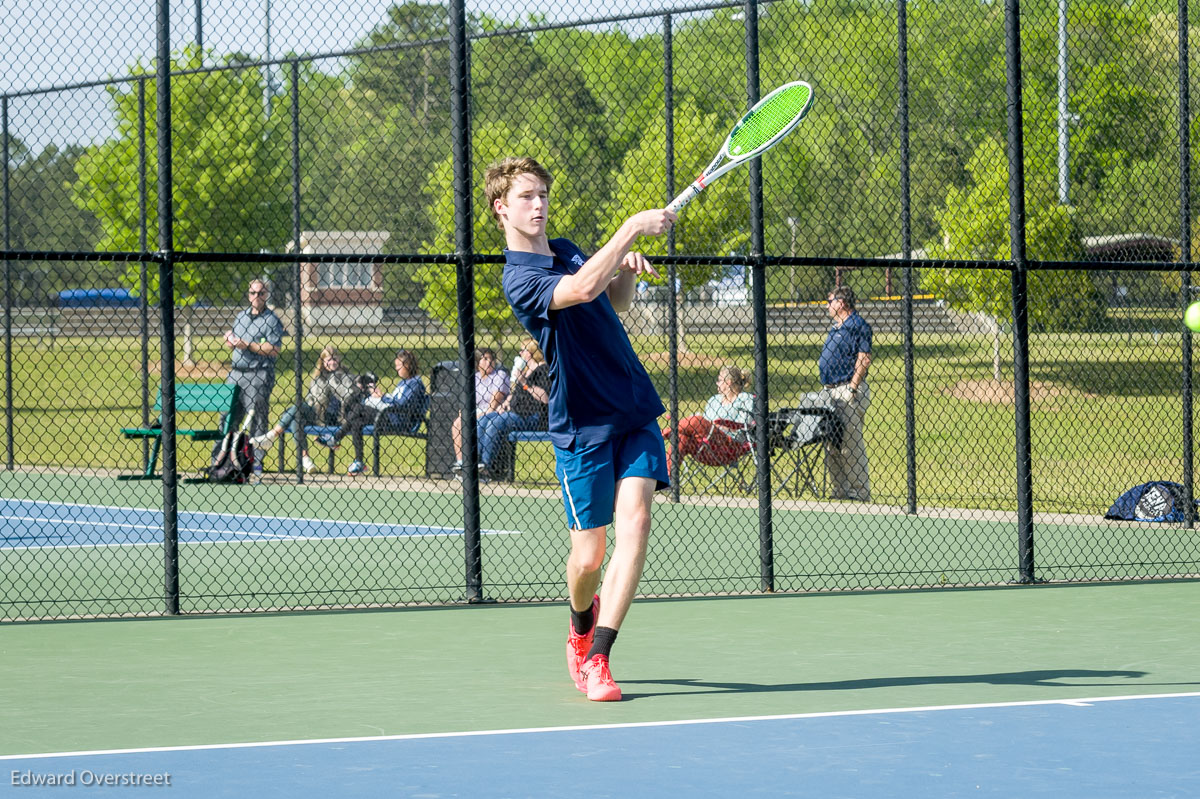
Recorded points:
(571,502)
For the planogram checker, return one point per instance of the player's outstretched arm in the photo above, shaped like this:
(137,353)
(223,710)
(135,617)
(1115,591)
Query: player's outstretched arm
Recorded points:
(597,272)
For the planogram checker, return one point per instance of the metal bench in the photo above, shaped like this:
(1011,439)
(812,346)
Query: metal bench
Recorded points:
(190,398)
(372,431)
(508,456)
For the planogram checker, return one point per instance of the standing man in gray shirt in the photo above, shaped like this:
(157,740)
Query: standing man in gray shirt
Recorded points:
(255,339)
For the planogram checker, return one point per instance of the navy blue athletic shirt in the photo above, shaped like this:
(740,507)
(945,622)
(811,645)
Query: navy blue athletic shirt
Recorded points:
(840,353)
(598,387)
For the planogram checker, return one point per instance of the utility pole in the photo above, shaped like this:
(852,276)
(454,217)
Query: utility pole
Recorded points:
(270,90)
(1064,111)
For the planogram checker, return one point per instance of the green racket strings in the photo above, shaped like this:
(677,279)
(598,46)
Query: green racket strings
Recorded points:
(770,119)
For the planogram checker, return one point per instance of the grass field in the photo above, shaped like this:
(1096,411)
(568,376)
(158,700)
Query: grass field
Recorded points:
(1106,408)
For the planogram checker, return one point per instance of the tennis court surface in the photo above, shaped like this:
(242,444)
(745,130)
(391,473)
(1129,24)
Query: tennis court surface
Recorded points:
(34,523)
(1071,691)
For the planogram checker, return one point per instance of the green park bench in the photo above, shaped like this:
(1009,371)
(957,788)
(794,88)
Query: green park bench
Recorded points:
(190,398)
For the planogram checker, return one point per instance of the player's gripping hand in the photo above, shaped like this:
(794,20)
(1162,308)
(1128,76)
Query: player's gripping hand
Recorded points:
(636,263)
(653,222)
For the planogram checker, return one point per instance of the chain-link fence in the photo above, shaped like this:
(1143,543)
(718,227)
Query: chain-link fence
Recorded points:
(288,200)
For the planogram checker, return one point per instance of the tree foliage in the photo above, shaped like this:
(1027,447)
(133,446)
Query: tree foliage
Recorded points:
(376,141)
(230,175)
(975,225)
(525,106)
(42,216)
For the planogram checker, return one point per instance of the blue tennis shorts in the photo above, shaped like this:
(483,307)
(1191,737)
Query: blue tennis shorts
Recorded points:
(589,475)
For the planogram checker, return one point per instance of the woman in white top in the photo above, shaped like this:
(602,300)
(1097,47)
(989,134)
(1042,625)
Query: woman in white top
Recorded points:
(491,389)
(730,404)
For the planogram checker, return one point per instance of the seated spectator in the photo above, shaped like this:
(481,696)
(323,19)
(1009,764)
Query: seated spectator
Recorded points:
(401,409)
(526,408)
(405,405)
(491,389)
(328,390)
(731,404)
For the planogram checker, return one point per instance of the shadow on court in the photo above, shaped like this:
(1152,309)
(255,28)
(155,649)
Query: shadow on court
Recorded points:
(1039,677)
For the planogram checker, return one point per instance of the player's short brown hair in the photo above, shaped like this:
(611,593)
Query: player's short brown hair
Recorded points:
(499,177)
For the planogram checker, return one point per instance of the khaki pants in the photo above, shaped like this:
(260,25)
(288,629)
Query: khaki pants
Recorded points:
(849,477)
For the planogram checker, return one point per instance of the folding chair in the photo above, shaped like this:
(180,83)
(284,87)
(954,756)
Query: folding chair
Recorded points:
(721,465)
(799,438)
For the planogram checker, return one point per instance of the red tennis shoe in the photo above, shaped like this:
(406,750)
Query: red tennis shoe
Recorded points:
(578,646)
(600,684)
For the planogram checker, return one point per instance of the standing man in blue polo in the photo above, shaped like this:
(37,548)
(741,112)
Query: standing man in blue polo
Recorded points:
(843,372)
(255,340)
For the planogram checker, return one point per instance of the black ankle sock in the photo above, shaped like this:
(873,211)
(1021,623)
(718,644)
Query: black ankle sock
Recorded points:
(602,643)
(582,620)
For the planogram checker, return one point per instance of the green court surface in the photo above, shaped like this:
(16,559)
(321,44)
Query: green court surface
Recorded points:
(95,685)
(696,548)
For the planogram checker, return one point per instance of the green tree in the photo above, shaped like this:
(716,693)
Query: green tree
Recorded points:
(399,70)
(514,85)
(43,217)
(230,175)
(1122,90)
(716,222)
(392,126)
(623,74)
(975,226)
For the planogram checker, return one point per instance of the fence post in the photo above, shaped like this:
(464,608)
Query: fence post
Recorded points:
(910,414)
(297,280)
(460,114)
(143,276)
(758,288)
(1185,253)
(1020,295)
(8,375)
(166,304)
(672,270)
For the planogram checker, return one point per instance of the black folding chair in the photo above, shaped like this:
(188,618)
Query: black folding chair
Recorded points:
(799,438)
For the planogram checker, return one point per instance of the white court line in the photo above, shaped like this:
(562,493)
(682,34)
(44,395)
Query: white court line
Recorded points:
(1084,702)
(434,531)
(447,530)
(132,526)
(83,522)
(249,536)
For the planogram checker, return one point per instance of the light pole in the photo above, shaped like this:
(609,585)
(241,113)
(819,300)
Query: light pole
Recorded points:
(1064,112)
(200,27)
(270,90)
(792,223)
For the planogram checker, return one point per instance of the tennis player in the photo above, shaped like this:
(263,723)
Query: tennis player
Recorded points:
(603,408)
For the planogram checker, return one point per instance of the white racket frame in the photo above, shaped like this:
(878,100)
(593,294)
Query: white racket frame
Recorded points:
(713,171)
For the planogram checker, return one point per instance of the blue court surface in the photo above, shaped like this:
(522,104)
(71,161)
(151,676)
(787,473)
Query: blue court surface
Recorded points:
(1134,746)
(29,523)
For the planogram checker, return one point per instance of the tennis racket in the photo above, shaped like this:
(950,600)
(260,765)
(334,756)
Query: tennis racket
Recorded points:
(771,118)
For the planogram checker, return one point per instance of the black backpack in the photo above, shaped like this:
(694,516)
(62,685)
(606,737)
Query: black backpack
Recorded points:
(234,461)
